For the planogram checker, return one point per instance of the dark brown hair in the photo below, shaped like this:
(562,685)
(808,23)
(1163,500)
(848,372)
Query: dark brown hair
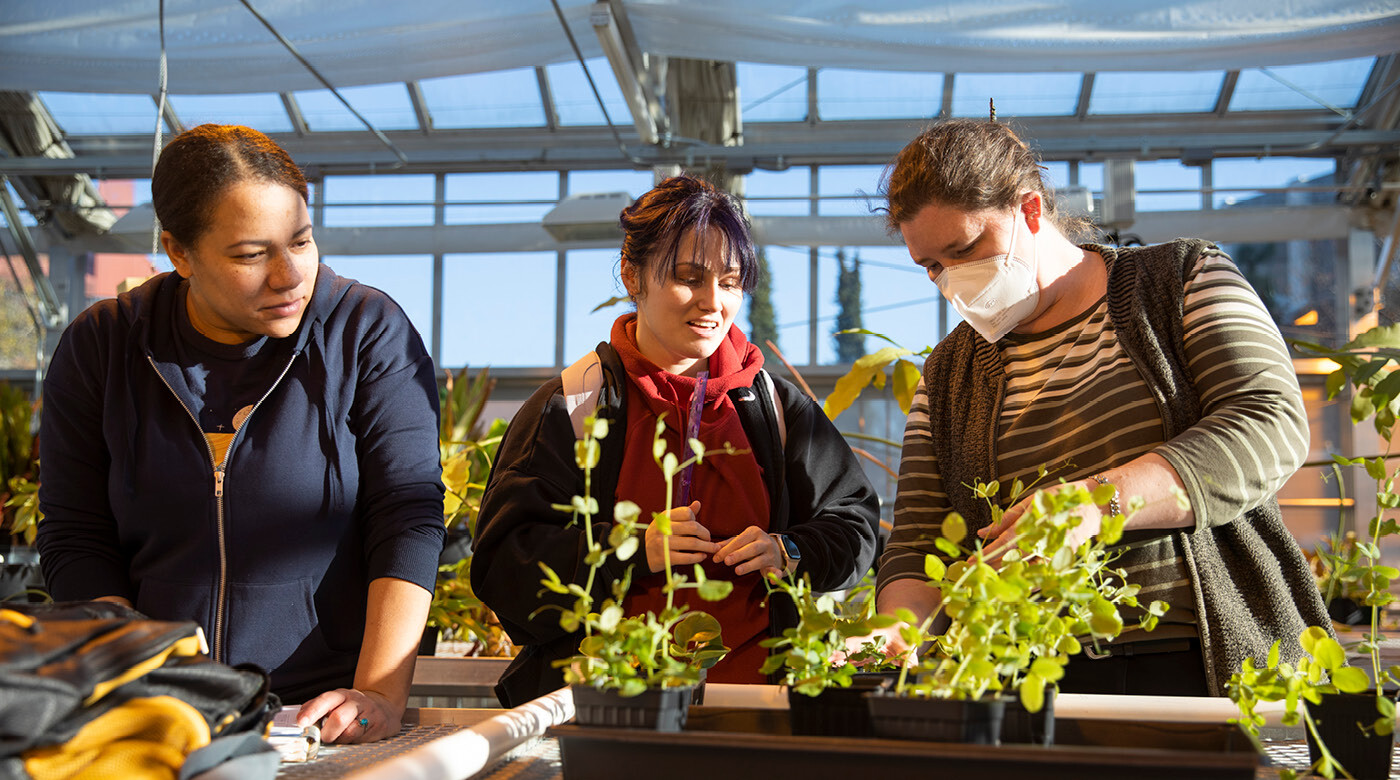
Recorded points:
(654,225)
(199,164)
(970,165)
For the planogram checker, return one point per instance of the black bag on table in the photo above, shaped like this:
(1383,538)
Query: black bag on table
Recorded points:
(91,688)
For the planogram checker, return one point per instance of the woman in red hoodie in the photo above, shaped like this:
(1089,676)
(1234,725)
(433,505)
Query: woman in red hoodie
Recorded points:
(796,501)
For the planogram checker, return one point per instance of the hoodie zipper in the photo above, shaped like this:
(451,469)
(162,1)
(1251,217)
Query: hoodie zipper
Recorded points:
(220,470)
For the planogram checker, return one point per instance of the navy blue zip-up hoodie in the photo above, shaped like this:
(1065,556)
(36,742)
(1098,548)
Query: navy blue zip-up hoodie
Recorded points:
(333,480)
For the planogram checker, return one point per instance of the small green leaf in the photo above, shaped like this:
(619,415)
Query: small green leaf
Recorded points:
(714,590)
(906,383)
(1350,679)
(1329,653)
(954,527)
(947,547)
(1033,692)
(934,568)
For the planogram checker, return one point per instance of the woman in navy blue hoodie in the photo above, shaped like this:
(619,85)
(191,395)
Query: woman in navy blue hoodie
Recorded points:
(251,443)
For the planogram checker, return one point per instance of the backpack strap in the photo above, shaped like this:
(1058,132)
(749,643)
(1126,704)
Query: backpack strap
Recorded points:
(772,393)
(582,382)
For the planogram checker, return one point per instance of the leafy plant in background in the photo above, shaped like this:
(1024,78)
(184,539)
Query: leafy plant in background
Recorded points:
(806,651)
(631,654)
(1014,624)
(467,453)
(1367,365)
(870,369)
(18,464)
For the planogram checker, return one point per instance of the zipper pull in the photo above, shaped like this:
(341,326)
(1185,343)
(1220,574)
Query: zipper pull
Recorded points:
(219,482)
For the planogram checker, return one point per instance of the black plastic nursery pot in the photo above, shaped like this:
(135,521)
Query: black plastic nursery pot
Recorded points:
(658,709)
(971,721)
(1019,726)
(1339,718)
(835,712)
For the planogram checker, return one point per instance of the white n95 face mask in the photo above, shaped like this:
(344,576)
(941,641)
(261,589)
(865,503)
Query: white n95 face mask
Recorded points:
(993,295)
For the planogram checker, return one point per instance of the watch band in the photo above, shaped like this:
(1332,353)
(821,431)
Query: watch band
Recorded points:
(1113,506)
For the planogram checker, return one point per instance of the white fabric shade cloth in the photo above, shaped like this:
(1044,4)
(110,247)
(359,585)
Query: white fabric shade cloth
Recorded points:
(217,46)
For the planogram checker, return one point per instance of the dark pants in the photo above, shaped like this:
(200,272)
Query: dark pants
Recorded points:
(1140,669)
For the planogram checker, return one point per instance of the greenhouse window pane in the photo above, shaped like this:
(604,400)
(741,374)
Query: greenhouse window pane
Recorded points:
(878,94)
(503,98)
(591,281)
(1337,83)
(1016,94)
(263,111)
(772,93)
(25,218)
(1056,174)
(540,186)
(634,183)
(778,193)
(357,201)
(481,292)
(1236,180)
(897,299)
(1156,93)
(790,269)
(1167,175)
(408,279)
(849,189)
(574,102)
(386,106)
(88,114)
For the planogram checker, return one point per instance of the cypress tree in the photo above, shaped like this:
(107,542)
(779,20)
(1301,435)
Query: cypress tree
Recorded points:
(849,346)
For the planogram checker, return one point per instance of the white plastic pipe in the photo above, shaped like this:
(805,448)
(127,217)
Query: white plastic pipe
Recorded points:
(462,754)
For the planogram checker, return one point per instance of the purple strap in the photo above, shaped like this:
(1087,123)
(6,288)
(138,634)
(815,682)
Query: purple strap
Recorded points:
(692,430)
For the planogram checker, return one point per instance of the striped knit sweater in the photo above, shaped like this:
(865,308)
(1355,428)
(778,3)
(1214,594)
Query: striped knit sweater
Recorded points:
(1180,358)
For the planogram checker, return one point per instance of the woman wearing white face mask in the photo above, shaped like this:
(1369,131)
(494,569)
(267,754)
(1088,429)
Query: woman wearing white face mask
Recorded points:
(1153,369)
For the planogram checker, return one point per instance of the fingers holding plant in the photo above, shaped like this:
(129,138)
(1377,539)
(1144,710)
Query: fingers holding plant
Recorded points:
(752,549)
(689,541)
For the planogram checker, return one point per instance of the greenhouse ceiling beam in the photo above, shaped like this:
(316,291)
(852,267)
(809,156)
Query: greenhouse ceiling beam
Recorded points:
(629,67)
(773,145)
(1242,224)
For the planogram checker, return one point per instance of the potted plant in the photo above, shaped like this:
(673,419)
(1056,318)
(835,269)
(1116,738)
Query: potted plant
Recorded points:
(1012,626)
(634,670)
(1349,715)
(826,685)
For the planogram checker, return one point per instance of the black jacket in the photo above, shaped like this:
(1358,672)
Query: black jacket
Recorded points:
(818,493)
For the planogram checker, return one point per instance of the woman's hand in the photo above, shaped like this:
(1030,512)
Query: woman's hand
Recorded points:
(347,716)
(1000,537)
(690,542)
(752,549)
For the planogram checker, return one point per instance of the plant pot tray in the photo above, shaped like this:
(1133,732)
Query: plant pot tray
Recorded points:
(718,739)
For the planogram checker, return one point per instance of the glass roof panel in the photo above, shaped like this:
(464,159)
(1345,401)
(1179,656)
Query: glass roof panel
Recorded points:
(355,201)
(590,279)
(1156,93)
(633,183)
(849,189)
(1337,83)
(80,113)
(516,186)
(386,106)
(878,94)
(260,111)
(503,98)
(778,193)
(772,93)
(1016,94)
(1150,175)
(1235,179)
(573,98)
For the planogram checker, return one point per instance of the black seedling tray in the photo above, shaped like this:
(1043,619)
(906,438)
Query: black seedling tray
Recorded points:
(716,740)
